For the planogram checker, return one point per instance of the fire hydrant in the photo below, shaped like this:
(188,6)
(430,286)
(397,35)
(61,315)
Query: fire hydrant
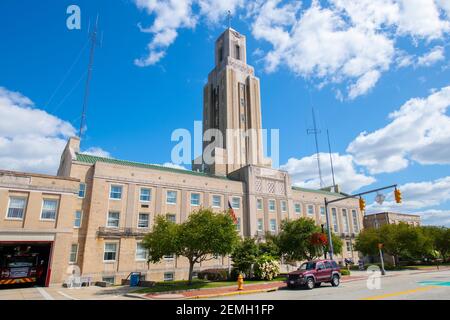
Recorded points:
(240,282)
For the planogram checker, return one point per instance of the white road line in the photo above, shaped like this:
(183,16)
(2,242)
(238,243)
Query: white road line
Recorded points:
(67,296)
(44,293)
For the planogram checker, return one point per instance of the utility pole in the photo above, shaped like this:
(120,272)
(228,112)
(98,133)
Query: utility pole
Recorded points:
(315,131)
(93,37)
(331,162)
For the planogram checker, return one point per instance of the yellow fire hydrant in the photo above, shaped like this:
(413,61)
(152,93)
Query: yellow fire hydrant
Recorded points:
(240,282)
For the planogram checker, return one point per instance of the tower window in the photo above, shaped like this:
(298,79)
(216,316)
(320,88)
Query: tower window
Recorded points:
(220,54)
(238,52)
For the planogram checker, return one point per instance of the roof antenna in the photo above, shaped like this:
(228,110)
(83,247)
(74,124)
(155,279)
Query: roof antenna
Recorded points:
(316,131)
(331,161)
(229,19)
(93,36)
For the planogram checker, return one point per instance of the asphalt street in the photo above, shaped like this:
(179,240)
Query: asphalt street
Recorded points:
(395,285)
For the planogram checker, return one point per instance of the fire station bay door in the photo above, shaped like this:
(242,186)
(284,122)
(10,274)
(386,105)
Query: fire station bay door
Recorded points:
(39,252)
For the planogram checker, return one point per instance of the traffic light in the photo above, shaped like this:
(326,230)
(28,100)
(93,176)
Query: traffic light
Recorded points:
(362,205)
(398,195)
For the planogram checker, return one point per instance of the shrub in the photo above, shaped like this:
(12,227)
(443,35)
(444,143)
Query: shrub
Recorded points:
(345,272)
(213,274)
(266,267)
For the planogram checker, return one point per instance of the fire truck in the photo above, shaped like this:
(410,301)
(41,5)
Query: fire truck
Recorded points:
(20,266)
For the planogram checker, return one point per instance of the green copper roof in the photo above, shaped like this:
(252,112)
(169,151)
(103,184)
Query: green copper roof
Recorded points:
(87,158)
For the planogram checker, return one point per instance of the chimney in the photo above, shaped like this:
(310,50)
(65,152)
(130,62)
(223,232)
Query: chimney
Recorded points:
(74,144)
(337,188)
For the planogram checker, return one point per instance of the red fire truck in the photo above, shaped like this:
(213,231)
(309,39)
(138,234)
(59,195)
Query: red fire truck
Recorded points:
(20,267)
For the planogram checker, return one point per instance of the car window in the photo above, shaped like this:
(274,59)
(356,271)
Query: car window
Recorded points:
(320,266)
(334,264)
(328,265)
(308,266)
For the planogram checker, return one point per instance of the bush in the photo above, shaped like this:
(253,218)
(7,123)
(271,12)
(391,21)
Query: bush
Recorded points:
(266,267)
(345,272)
(213,274)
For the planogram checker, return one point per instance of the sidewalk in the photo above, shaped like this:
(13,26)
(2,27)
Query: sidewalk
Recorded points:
(226,291)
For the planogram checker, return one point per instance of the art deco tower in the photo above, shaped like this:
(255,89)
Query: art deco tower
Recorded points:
(231,100)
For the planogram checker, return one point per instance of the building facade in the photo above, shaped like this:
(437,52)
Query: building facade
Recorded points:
(378,219)
(110,204)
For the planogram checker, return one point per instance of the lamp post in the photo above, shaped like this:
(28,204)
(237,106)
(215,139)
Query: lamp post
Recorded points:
(383,272)
(330,241)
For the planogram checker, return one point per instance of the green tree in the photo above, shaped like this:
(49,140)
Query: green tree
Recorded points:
(203,235)
(367,241)
(337,243)
(439,239)
(294,239)
(244,255)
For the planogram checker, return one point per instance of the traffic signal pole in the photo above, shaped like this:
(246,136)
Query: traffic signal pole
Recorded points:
(330,241)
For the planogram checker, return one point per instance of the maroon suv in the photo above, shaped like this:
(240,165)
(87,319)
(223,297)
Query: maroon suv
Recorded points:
(312,273)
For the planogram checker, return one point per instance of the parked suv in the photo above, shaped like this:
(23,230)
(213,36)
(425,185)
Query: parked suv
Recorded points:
(312,273)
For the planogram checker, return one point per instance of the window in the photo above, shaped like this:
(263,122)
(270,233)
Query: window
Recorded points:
(220,54)
(259,204)
(143,220)
(73,253)
(168,276)
(260,225)
(345,219)
(216,201)
(171,197)
(145,195)
(283,206)
(49,209)
(271,205)
(110,280)
(16,208)
(310,209)
(141,251)
(298,208)
(77,221)
(235,202)
(238,52)
(171,217)
(322,211)
(273,225)
(328,265)
(355,221)
(110,251)
(115,193)
(334,220)
(195,199)
(82,190)
(169,257)
(349,246)
(238,224)
(113,219)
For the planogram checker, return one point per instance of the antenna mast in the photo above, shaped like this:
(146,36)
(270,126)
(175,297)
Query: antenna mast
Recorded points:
(315,131)
(331,162)
(93,37)
(229,19)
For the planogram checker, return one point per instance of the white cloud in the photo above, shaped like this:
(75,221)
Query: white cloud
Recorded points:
(418,131)
(31,140)
(434,55)
(96,151)
(420,198)
(173,165)
(216,10)
(304,172)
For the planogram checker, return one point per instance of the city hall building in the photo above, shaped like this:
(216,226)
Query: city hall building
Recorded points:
(95,212)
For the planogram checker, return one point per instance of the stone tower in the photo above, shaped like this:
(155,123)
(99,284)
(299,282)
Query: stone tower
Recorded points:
(231,111)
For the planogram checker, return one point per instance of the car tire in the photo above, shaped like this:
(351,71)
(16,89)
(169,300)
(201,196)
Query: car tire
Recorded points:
(310,283)
(317,284)
(335,280)
(291,286)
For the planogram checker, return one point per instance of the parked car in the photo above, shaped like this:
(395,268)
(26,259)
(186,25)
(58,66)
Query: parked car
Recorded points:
(312,273)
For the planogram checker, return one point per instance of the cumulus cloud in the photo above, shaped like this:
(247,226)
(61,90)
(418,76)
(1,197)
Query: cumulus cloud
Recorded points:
(96,151)
(418,131)
(304,172)
(173,165)
(30,139)
(431,57)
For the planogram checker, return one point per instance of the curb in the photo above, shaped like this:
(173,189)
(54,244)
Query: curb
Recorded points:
(234,293)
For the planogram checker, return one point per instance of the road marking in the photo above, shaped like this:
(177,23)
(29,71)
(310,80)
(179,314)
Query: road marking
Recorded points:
(435,283)
(67,296)
(44,293)
(388,295)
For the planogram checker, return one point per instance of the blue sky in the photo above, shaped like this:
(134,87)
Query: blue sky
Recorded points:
(355,63)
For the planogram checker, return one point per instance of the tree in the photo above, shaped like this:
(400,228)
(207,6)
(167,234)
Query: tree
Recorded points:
(244,255)
(337,244)
(367,241)
(439,239)
(294,240)
(203,235)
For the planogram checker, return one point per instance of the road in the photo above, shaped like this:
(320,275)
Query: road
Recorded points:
(395,285)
